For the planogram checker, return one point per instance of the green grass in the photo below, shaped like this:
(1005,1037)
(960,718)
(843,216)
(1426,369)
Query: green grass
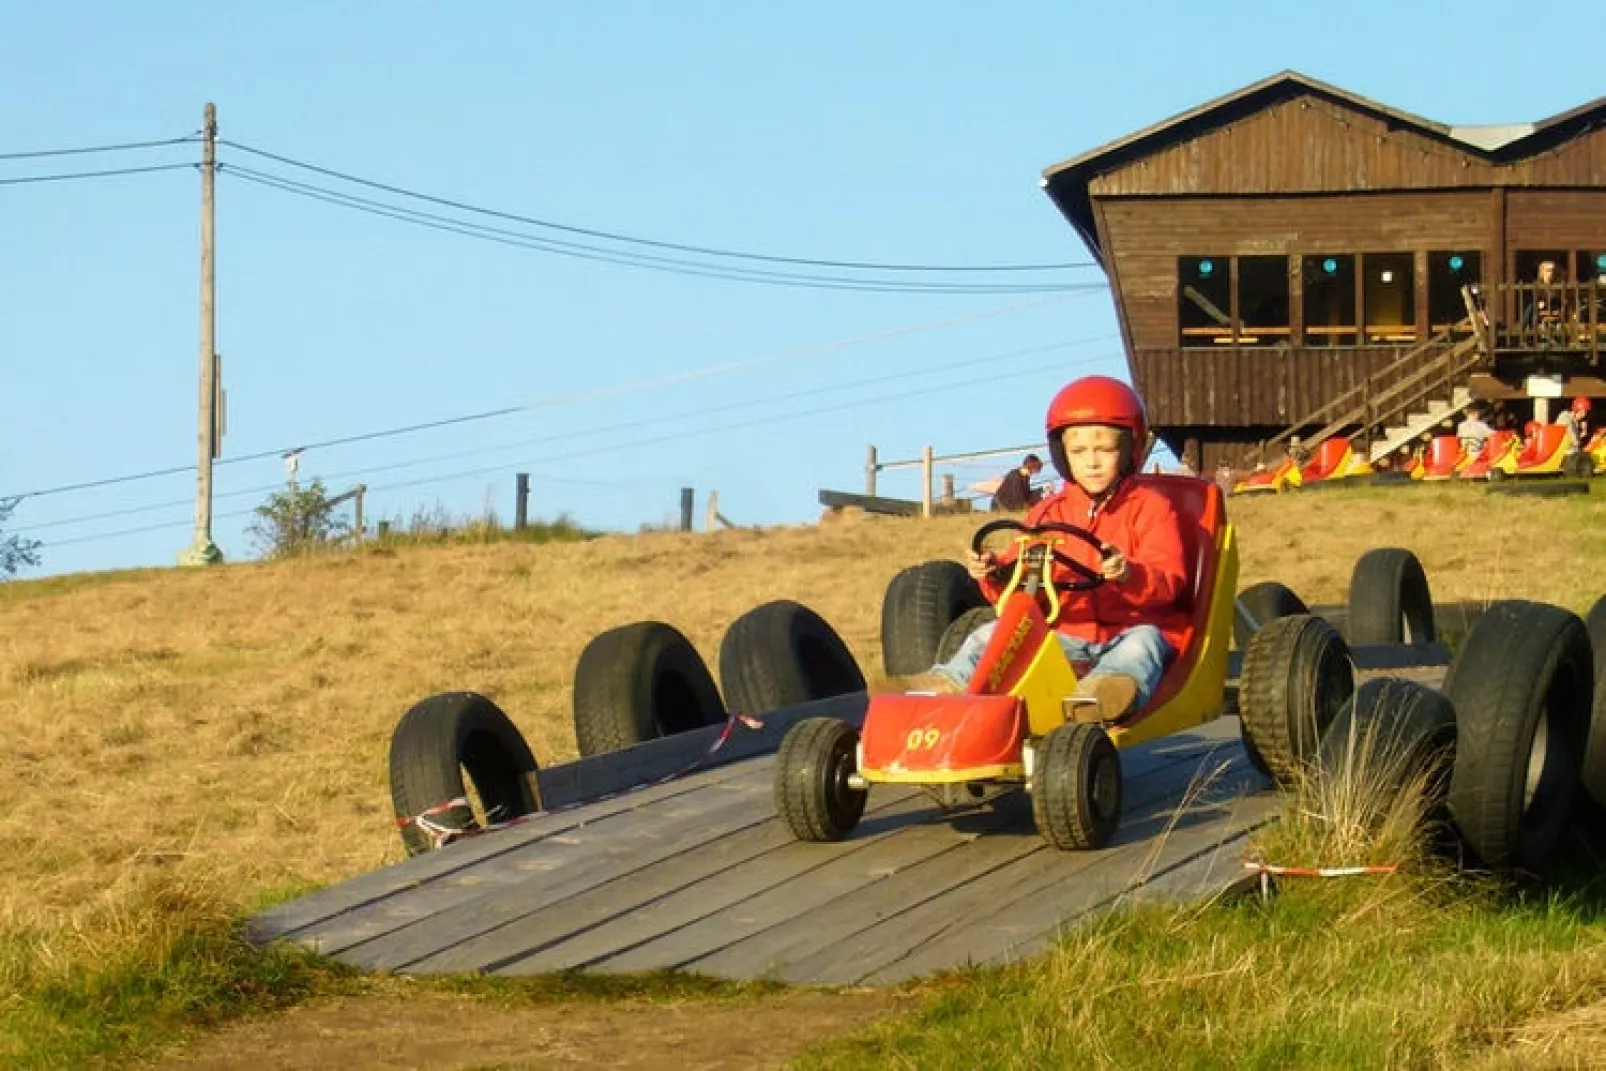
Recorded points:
(170,961)
(1377,973)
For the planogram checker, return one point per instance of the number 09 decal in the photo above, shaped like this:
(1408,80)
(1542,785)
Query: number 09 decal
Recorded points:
(922,738)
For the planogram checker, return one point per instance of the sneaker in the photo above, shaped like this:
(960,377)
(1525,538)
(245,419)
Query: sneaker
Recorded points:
(1111,695)
(940,683)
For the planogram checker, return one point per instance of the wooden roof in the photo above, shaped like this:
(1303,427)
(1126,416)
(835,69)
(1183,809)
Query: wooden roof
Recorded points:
(1068,182)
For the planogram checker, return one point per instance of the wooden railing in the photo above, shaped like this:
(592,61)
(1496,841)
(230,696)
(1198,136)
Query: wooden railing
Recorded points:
(1530,319)
(1421,372)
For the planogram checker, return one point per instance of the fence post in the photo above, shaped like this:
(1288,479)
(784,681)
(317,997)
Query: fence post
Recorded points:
(685,508)
(711,514)
(357,510)
(384,529)
(947,488)
(521,501)
(925,481)
(870,468)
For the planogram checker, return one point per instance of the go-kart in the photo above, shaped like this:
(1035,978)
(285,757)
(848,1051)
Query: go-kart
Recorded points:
(1334,460)
(1499,451)
(1019,724)
(1278,478)
(1545,452)
(1444,460)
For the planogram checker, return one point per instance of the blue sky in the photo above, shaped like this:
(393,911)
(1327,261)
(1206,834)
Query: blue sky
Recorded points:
(895,132)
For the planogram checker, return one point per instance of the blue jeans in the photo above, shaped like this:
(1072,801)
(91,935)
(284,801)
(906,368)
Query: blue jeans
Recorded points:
(1141,652)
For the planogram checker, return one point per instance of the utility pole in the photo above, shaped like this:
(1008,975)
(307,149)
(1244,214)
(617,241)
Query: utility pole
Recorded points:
(203,551)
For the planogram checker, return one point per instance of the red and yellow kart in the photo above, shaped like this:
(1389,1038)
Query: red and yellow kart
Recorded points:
(1019,724)
(1545,452)
(1283,475)
(1499,450)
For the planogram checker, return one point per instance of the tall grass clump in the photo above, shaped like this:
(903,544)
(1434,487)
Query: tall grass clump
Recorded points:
(137,973)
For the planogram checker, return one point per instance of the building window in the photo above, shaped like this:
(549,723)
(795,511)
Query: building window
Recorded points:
(1527,261)
(1388,297)
(1262,301)
(1204,300)
(1329,303)
(1447,274)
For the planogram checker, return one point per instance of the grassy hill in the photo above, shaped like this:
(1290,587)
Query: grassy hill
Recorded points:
(232,725)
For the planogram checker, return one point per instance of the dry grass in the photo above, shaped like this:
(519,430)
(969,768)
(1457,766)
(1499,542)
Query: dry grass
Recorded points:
(239,718)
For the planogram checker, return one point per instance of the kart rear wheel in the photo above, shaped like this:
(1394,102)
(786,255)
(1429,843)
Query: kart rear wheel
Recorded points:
(1522,686)
(812,767)
(1076,787)
(1389,601)
(1259,603)
(1296,675)
(1594,771)
(920,604)
(781,654)
(955,635)
(639,682)
(1386,737)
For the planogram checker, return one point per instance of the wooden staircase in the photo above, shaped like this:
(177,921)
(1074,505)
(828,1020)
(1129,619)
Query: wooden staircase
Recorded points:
(1395,404)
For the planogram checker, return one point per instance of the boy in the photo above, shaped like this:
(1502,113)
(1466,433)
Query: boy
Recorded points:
(1097,433)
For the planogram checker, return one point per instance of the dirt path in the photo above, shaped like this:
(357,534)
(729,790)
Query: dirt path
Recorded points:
(458,1033)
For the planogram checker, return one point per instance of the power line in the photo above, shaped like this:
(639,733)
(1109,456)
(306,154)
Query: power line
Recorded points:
(704,269)
(595,450)
(110,173)
(634,387)
(126,146)
(368,470)
(633,240)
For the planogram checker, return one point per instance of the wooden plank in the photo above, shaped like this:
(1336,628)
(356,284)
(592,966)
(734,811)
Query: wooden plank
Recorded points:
(631,908)
(366,889)
(752,941)
(880,934)
(1030,921)
(897,507)
(712,892)
(616,771)
(416,923)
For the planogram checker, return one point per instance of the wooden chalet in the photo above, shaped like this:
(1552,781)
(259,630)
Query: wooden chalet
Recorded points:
(1294,259)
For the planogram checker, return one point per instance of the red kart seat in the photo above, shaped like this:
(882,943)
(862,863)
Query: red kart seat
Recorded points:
(1494,448)
(1202,510)
(1329,455)
(1542,444)
(1444,453)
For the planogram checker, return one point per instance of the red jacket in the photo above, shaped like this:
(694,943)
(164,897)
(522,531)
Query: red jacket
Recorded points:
(1141,523)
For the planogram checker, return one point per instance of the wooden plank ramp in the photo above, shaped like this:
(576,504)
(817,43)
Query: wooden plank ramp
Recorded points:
(698,874)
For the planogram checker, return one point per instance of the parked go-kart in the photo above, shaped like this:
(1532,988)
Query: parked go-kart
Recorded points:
(1019,724)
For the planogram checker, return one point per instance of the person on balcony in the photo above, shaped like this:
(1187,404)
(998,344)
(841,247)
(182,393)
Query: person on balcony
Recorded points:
(1546,313)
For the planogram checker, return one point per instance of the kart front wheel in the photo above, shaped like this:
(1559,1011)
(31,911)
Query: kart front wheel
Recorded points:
(813,795)
(1076,787)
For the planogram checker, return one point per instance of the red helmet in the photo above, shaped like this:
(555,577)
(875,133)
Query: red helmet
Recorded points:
(1581,405)
(1097,400)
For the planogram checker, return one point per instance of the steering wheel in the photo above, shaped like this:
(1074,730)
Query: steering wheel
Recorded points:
(1090,578)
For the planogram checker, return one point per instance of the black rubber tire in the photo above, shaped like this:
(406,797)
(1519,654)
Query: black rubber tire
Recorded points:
(1532,488)
(954,636)
(1296,675)
(640,682)
(1260,603)
(1387,734)
(440,739)
(1593,773)
(1522,685)
(812,795)
(1076,787)
(920,604)
(781,654)
(1389,600)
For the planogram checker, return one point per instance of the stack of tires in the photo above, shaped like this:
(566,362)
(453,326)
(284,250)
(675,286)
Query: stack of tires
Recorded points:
(458,763)
(1511,740)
